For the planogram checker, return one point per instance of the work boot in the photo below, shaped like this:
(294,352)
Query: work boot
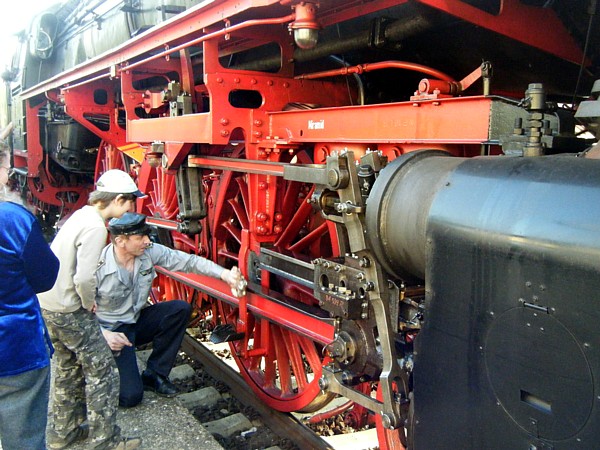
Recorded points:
(78,434)
(127,443)
(159,384)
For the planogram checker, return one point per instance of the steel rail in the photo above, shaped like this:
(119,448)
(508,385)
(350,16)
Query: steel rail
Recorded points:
(285,425)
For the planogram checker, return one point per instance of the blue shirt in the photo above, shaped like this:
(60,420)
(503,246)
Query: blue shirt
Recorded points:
(27,266)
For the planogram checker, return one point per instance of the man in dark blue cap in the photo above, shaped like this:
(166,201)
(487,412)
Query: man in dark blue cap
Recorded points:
(125,273)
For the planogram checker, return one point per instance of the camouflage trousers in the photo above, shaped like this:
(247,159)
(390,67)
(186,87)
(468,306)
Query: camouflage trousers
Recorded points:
(86,381)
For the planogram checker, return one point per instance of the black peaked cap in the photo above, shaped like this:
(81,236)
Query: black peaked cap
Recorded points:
(127,224)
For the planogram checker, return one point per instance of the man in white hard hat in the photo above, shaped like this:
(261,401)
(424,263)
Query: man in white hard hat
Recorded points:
(86,383)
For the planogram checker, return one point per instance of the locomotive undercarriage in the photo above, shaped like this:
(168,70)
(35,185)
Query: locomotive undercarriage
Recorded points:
(331,182)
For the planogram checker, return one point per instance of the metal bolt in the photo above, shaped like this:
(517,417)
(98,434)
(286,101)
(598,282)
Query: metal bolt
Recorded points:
(346,377)
(323,383)
(387,422)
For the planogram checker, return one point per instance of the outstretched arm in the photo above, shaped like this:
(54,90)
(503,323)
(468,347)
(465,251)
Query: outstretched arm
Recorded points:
(184,262)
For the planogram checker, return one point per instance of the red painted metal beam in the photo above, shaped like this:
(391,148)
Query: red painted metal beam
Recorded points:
(188,128)
(285,316)
(34,146)
(463,120)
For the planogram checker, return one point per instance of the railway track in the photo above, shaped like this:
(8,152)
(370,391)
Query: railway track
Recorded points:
(285,426)
(251,424)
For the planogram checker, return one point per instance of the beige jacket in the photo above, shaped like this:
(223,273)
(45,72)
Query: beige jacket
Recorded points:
(77,245)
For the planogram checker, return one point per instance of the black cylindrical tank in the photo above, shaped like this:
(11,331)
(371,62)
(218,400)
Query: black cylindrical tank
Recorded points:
(543,201)
(508,356)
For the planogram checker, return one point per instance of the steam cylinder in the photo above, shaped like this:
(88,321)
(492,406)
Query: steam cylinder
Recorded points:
(549,201)
(509,248)
(398,207)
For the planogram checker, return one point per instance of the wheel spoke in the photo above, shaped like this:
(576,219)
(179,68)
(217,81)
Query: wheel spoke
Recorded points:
(240,213)
(229,255)
(294,226)
(235,232)
(282,352)
(310,238)
(295,351)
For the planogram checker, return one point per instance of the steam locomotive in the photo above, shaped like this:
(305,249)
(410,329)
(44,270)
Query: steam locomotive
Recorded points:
(410,187)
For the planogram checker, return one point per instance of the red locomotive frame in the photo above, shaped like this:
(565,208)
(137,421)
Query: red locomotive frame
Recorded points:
(241,150)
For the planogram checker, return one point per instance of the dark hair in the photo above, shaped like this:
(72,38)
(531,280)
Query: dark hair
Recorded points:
(103,199)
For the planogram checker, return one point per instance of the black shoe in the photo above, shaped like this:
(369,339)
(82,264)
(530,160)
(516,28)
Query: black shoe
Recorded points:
(159,384)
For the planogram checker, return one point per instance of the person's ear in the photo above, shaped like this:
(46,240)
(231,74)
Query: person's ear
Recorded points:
(120,200)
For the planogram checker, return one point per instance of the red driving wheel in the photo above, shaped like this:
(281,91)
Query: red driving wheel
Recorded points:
(281,366)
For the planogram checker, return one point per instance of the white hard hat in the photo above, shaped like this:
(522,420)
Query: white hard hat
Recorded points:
(117,182)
